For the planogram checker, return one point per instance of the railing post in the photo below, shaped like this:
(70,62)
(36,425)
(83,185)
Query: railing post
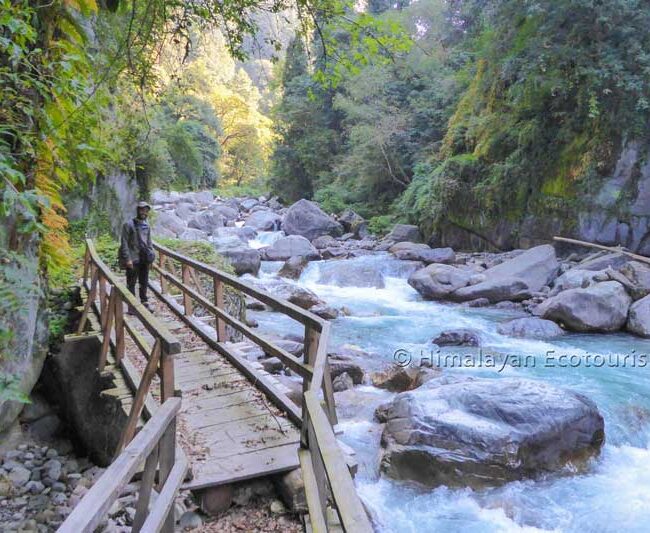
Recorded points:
(161,263)
(219,301)
(102,294)
(187,301)
(167,460)
(310,350)
(166,375)
(119,327)
(107,324)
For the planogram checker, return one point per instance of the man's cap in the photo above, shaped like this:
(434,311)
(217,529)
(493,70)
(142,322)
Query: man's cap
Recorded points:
(143,204)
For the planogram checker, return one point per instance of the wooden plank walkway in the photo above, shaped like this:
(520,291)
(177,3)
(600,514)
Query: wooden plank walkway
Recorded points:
(230,430)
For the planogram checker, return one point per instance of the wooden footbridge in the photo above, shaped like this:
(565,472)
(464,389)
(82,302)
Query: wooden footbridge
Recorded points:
(200,414)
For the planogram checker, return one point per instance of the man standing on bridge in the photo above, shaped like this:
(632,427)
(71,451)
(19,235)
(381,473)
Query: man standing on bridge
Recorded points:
(136,252)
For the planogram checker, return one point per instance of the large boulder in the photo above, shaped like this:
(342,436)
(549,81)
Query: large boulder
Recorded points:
(324,241)
(601,262)
(185,211)
(438,281)
(170,222)
(530,328)
(600,307)
(226,211)
(486,432)
(516,278)
(404,232)
(306,219)
(264,221)
(243,259)
(249,203)
(207,221)
(201,197)
(291,246)
(638,321)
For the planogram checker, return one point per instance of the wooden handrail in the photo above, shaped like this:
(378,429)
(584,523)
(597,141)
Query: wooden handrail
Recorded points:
(613,249)
(157,434)
(278,304)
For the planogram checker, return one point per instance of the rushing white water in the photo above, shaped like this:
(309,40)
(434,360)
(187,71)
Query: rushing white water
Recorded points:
(265,238)
(612,495)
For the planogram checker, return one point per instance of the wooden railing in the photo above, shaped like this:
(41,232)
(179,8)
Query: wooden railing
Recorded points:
(324,468)
(102,284)
(155,445)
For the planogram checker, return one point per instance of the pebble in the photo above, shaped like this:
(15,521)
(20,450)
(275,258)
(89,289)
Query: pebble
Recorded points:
(51,453)
(19,476)
(277,507)
(35,487)
(190,520)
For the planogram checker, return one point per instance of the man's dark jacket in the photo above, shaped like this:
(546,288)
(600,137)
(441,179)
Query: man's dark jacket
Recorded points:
(135,244)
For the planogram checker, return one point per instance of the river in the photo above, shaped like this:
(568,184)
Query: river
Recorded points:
(613,494)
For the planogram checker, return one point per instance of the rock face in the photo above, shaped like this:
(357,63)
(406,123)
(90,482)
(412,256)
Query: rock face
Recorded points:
(27,346)
(244,260)
(437,282)
(264,221)
(638,321)
(530,328)
(516,278)
(291,246)
(306,219)
(600,307)
(404,232)
(486,432)
(458,337)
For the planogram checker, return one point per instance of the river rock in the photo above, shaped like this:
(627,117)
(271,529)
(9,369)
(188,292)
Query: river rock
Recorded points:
(577,278)
(342,382)
(404,232)
(244,233)
(530,328)
(515,279)
(486,431)
(638,321)
(345,364)
(324,241)
(164,197)
(293,267)
(291,246)
(291,488)
(19,475)
(243,259)
(325,311)
(264,221)
(249,203)
(354,224)
(306,219)
(458,337)
(601,262)
(293,293)
(207,221)
(437,282)
(600,307)
(170,222)
(185,211)
(400,379)
(200,197)
(427,255)
(639,275)
(192,234)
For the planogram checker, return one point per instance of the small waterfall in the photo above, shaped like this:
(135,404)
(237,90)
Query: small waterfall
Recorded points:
(265,238)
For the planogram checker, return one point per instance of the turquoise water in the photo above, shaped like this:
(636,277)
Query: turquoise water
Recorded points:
(613,494)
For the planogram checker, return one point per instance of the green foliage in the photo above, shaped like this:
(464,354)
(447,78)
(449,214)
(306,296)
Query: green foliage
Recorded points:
(381,225)
(253,189)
